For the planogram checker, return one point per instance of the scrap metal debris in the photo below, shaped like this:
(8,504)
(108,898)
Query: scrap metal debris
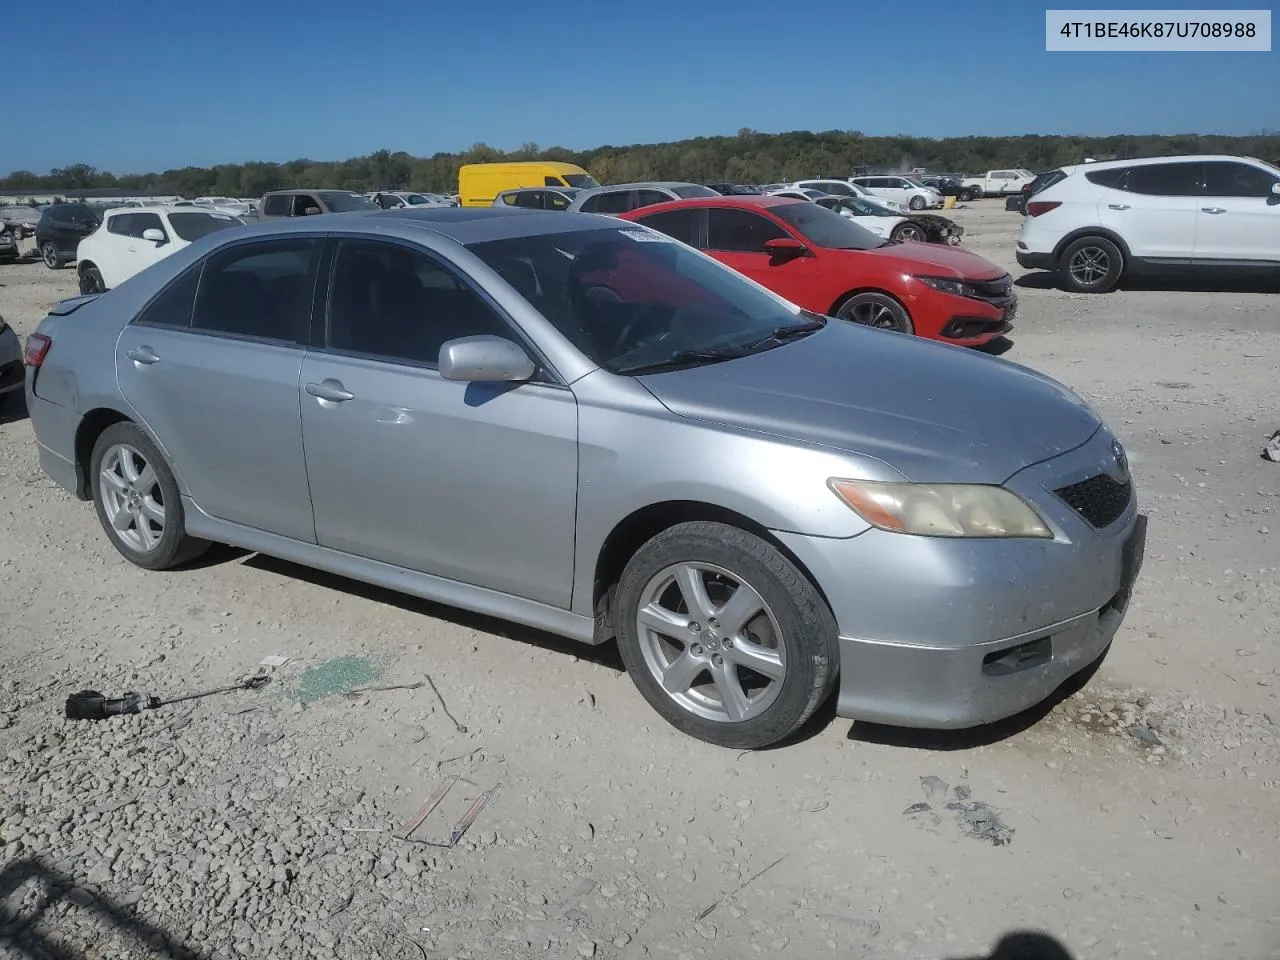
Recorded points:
(92,705)
(1272,450)
(975,818)
(459,828)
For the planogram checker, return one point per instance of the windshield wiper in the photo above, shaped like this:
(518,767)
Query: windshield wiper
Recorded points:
(778,335)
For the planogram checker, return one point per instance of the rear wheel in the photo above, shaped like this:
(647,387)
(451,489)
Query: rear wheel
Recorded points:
(877,310)
(49,253)
(724,636)
(91,280)
(909,231)
(1091,265)
(137,500)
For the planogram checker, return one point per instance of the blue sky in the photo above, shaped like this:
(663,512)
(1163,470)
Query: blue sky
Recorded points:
(155,84)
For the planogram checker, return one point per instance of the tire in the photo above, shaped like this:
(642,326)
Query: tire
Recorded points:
(916,203)
(909,231)
(877,310)
(1091,265)
(49,253)
(91,281)
(140,542)
(792,634)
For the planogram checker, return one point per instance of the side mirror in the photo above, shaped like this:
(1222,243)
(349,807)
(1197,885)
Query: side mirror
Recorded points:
(785,248)
(1275,189)
(154,234)
(484,359)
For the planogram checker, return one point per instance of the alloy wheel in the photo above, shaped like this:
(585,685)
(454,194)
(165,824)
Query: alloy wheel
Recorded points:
(910,232)
(872,313)
(50,254)
(132,498)
(711,642)
(1089,266)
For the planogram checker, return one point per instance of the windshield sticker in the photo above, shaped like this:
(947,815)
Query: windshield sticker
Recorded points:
(647,236)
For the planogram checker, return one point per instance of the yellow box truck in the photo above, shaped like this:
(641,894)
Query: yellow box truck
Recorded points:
(479,183)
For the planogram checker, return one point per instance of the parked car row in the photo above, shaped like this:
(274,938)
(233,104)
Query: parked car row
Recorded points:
(765,505)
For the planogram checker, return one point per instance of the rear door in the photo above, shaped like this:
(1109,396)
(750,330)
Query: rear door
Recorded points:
(1153,207)
(737,238)
(1238,217)
(211,367)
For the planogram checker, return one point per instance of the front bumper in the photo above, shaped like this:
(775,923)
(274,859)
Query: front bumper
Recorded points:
(942,633)
(11,369)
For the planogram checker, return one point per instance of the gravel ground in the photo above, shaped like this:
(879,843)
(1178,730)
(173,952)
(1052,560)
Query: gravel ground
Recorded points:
(1137,817)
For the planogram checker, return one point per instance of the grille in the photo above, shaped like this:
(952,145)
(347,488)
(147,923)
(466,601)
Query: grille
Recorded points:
(993,290)
(1101,500)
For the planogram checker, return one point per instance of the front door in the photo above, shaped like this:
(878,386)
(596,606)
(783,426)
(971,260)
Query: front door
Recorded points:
(214,377)
(471,482)
(143,253)
(737,238)
(1238,217)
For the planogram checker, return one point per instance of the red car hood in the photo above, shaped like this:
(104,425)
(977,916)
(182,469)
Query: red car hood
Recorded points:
(935,259)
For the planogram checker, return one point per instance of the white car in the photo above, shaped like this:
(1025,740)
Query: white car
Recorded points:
(130,240)
(398,200)
(901,190)
(1101,221)
(842,188)
(228,205)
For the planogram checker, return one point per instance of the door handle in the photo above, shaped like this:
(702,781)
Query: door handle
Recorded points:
(1117,206)
(143,354)
(1213,209)
(329,389)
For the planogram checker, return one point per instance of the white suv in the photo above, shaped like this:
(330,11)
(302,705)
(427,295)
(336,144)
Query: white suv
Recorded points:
(130,240)
(843,188)
(1100,221)
(902,190)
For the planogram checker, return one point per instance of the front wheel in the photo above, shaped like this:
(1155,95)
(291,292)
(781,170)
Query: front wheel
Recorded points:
(970,195)
(877,310)
(137,500)
(916,203)
(91,281)
(724,636)
(1092,265)
(909,231)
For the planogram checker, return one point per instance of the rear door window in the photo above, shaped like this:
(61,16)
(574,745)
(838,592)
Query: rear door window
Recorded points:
(680,225)
(174,305)
(615,201)
(647,198)
(1164,179)
(259,290)
(276,205)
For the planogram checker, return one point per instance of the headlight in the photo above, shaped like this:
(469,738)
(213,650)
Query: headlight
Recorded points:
(946,285)
(941,509)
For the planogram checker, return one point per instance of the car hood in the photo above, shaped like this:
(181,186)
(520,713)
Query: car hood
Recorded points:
(939,261)
(934,412)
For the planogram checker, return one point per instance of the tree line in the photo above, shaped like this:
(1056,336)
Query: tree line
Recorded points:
(748,157)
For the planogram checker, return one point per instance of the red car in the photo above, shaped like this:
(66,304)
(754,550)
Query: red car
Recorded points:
(829,265)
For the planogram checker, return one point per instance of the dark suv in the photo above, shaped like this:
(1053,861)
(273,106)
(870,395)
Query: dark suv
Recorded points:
(61,228)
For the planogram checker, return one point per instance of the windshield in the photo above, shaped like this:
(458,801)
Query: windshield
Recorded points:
(855,207)
(633,300)
(345,202)
(580,180)
(193,226)
(19,213)
(416,199)
(914,182)
(824,228)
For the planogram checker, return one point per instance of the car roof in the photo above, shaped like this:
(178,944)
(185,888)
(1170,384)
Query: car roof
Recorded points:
(464,225)
(1147,161)
(743,201)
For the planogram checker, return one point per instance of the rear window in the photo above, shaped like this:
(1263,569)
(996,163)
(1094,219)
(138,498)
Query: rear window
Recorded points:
(690,191)
(825,228)
(193,226)
(1046,180)
(340,202)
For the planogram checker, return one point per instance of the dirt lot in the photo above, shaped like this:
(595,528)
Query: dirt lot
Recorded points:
(1138,817)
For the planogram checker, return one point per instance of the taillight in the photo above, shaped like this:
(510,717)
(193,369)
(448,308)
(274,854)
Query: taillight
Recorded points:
(37,349)
(1037,207)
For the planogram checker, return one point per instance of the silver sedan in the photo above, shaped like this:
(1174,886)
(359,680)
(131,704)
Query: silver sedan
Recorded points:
(580,425)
